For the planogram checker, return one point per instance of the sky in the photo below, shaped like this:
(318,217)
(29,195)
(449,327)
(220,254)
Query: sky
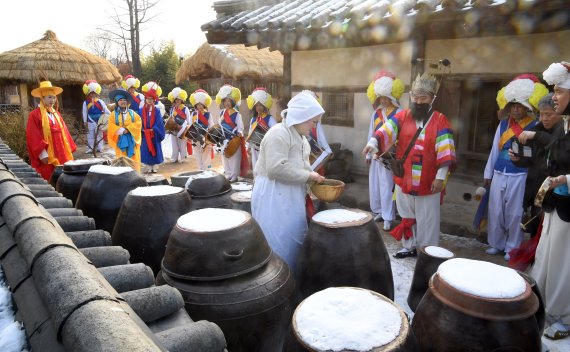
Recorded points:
(73,20)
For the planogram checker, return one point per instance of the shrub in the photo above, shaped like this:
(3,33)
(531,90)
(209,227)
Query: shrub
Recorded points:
(13,133)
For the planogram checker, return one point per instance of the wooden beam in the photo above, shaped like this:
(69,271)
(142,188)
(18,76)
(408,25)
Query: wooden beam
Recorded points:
(286,95)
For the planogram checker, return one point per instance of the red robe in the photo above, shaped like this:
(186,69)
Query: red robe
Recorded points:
(36,143)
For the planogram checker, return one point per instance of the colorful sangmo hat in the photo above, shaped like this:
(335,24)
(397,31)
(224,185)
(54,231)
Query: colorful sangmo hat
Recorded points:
(525,89)
(385,84)
(228,91)
(91,86)
(130,81)
(46,88)
(558,74)
(200,96)
(177,93)
(152,89)
(259,95)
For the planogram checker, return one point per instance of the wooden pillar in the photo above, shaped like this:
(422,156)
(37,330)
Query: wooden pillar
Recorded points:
(24,102)
(286,94)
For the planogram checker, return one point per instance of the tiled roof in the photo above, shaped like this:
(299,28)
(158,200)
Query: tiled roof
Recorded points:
(313,24)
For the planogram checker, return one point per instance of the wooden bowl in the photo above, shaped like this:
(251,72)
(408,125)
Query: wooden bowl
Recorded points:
(328,191)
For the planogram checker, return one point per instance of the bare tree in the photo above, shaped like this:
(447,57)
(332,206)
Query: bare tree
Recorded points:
(127,23)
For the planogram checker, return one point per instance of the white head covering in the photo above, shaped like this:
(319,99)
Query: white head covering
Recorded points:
(302,107)
(558,74)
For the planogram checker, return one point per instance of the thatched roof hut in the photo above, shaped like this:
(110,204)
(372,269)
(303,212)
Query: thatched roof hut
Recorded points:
(49,58)
(231,62)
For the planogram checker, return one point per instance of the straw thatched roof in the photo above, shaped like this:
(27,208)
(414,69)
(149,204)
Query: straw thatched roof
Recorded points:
(48,58)
(231,61)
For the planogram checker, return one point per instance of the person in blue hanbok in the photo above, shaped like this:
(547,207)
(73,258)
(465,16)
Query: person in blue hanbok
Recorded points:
(152,128)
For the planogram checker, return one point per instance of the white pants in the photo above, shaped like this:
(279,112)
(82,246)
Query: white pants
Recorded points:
(380,185)
(505,211)
(179,151)
(92,139)
(254,157)
(232,165)
(203,156)
(426,211)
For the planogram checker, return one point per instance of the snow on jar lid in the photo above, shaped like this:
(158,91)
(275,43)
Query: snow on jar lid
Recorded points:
(110,170)
(347,318)
(205,174)
(438,252)
(212,219)
(482,279)
(242,186)
(242,196)
(341,217)
(154,191)
(85,161)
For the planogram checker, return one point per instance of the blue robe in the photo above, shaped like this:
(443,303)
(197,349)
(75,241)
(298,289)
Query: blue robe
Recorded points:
(158,128)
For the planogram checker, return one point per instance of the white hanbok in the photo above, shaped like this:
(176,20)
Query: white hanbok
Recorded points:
(278,198)
(232,164)
(94,136)
(179,150)
(203,155)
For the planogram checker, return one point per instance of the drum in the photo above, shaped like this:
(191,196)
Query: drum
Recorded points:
(195,133)
(215,135)
(474,305)
(172,126)
(326,321)
(429,259)
(343,247)
(221,263)
(256,136)
(232,147)
(145,220)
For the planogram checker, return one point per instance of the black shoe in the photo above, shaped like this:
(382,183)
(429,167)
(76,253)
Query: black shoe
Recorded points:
(405,253)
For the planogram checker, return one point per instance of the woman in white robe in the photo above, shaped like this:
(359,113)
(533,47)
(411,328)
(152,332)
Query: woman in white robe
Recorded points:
(281,174)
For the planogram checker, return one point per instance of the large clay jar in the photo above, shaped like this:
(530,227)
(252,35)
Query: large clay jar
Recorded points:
(57,171)
(208,189)
(221,263)
(351,319)
(73,173)
(145,220)
(344,248)
(477,306)
(429,259)
(242,200)
(103,191)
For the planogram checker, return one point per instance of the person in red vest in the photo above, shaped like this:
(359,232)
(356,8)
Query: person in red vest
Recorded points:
(231,122)
(181,115)
(259,102)
(94,109)
(48,140)
(152,128)
(201,118)
(507,181)
(131,84)
(427,153)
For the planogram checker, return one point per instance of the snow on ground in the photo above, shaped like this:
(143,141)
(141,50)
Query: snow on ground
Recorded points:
(12,334)
(463,247)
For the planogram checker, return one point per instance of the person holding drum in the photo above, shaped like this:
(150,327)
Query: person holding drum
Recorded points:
(179,117)
(130,83)
(517,99)
(152,128)
(383,94)
(282,173)
(551,268)
(425,153)
(259,102)
(234,157)
(93,110)
(124,133)
(201,118)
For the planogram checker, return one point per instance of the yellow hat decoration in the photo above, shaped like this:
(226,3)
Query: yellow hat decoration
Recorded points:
(152,89)
(130,81)
(228,91)
(385,84)
(525,89)
(259,95)
(200,96)
(91,86)
(177,93)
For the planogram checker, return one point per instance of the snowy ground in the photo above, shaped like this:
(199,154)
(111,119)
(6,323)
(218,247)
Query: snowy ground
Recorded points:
(403,270)
(12,335)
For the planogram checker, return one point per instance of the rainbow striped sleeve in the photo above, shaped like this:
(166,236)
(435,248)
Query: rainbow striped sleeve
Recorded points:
(445,147)
(387,134)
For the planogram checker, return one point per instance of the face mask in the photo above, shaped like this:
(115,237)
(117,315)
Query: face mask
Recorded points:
(420,111)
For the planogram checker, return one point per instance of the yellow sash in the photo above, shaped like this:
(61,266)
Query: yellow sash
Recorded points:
(509,133)
(48,137)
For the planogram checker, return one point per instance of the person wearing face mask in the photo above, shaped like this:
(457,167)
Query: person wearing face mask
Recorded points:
(383,94)
(426,148)
(47,139)
(507,181)
(93,110)
(551,267)
(282,174)
(125,126)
